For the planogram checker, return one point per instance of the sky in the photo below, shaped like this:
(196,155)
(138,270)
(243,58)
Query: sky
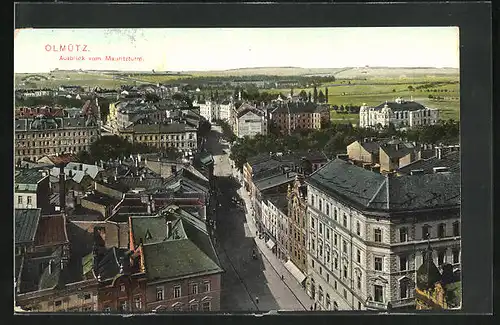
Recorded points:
(204,49)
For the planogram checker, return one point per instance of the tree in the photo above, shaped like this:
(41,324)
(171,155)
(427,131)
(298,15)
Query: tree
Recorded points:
(151,98)
(321,97)
(315,94)
(291,92)
(309,96)
(394,90)
(410,88)
(303,95)
(430,96)
(326,94)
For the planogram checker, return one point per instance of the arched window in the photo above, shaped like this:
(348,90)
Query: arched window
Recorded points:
(320,295)
(328,302)
(335,306)
(404,288)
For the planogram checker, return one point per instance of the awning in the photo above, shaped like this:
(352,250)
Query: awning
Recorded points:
(294,270)
(270,244)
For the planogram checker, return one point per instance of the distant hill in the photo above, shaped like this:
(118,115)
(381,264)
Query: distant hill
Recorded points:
(347,72)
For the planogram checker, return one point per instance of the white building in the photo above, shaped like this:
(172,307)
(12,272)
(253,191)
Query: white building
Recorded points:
(207,109)
(367,234)
(401,113)
(275,220)
(249,121)
(224,110)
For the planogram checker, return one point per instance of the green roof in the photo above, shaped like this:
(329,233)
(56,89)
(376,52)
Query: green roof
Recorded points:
(177,258)
(87,263)
(188,250)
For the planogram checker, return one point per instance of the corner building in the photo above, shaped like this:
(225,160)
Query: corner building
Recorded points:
(367,234)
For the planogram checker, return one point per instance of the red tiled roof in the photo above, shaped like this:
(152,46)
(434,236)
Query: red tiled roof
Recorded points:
(51,230)
(62,159)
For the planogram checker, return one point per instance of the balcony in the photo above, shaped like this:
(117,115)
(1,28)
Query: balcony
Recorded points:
(376,305)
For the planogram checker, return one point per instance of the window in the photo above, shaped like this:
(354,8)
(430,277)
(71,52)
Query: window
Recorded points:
(335,240)
(358,255)
(206,286)
(86,296)
(320,228)
(358,281)
(29,199)
(312,199)
(19,199)
(320,205)
(378,263)
(441,257)
(359,305)
(358,228)
(403,263)
(312,244)
(378,292)
(328,302)
(312,264)
(456,229)
(194,289)
(327,277)
(138,302)
(335,214)
(426,231)
(328,233)
(345,270)
(123,305)
(320,270)
(205,306)
(159,293)
(442,230)
(193,307)
(344,246)
(58,303)
(335,286)
(345,220)
(312,222)
(336,262)
(122,288)
(403,289)
(335,306)
(327,256)
(456,256)
(327,209)
(177,291)
(345,294)
(378,235)
(320,249)
(403,234)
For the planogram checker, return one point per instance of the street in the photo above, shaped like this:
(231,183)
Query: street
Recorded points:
(248,284)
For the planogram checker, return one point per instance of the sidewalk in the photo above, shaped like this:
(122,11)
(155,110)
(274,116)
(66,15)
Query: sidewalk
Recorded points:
(289,280)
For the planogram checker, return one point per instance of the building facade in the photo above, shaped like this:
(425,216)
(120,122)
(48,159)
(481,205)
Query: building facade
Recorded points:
(207,109)
(400,113)
(249,121)
(42,135)
(297,235)
(366,242)
(177,135)
(32,190)
(291,116)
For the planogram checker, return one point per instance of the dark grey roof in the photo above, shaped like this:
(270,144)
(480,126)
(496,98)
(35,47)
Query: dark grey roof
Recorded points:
(246,107)
(450,160)
(101,199)
(108,265)
(270,182)
(40,123)
(399,150)
(279,200)
(403,106)
(26,224)
(30,176)
(176,127)
(372,191)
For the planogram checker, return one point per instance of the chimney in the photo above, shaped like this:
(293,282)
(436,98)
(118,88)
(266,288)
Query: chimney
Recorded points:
(80,167)
(169,228)
(50,266)
(397,147)
(439,152)
(62,188)
(152,203)
(62,264)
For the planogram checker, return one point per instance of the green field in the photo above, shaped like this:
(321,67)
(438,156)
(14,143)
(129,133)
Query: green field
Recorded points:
(376,91)
(59,78)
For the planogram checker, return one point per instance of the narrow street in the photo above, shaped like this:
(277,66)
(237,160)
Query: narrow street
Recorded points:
(248,284)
